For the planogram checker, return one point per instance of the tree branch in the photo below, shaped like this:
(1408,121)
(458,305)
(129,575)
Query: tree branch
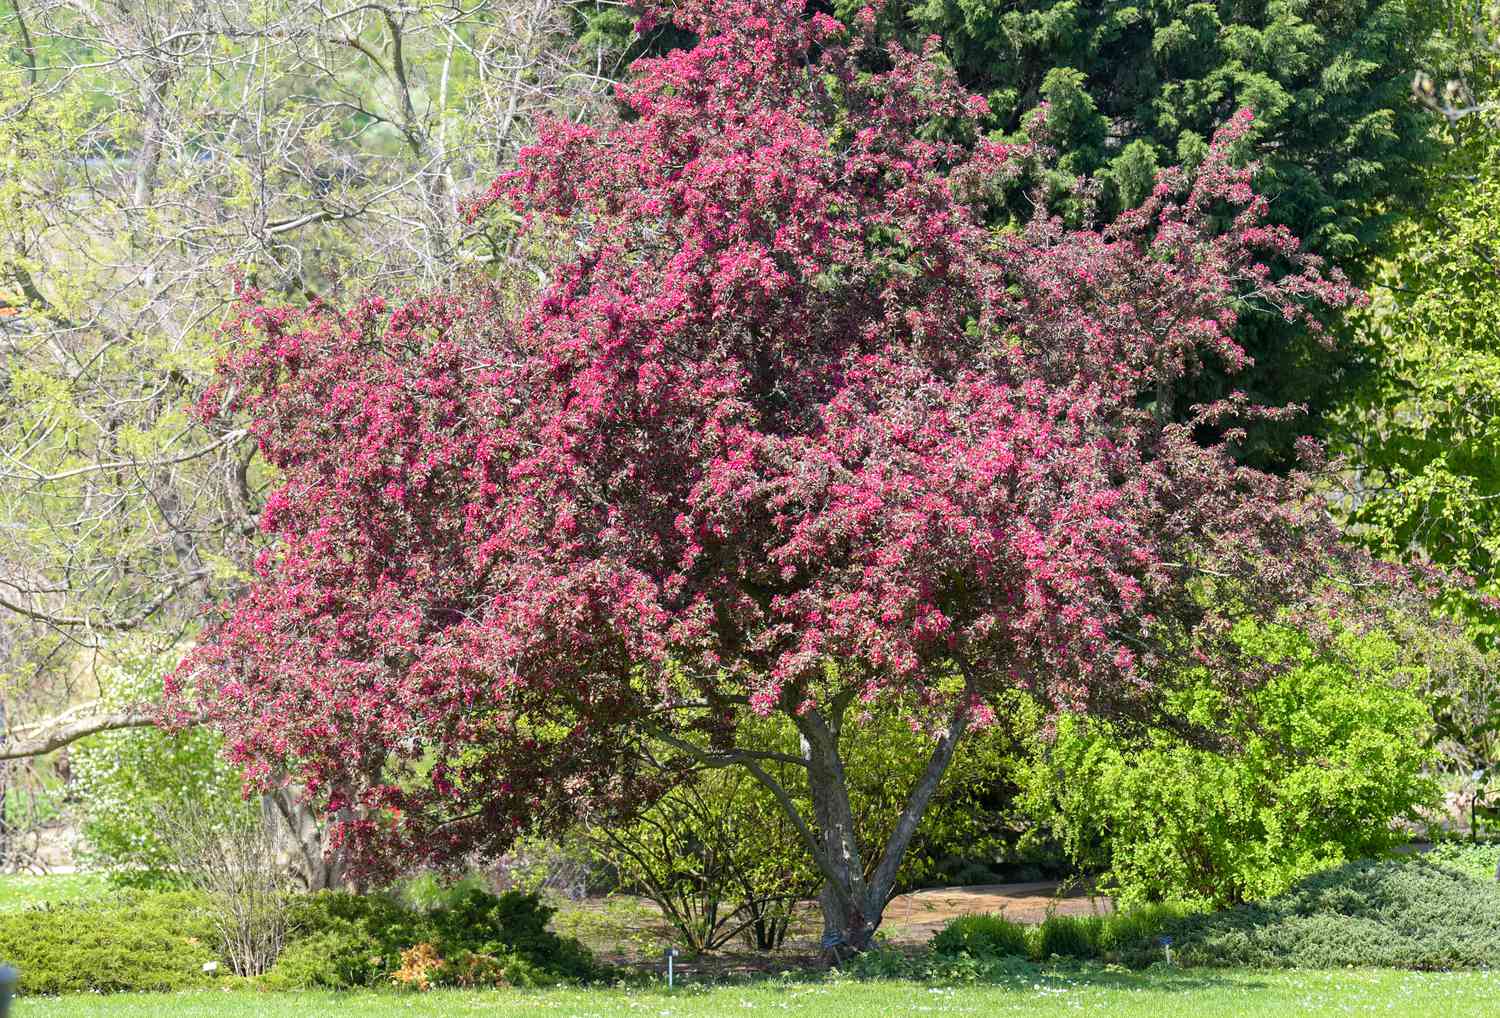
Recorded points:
(884,879)
(743,759)
(58,737)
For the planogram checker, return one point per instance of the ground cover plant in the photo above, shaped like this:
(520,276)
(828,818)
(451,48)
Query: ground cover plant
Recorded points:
(1403,913)
(785,431)
(133,941)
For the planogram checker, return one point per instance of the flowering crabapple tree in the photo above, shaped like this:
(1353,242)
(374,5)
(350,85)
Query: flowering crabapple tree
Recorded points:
(785,431)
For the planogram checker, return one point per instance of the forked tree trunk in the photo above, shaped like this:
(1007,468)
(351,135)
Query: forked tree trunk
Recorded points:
(852,902)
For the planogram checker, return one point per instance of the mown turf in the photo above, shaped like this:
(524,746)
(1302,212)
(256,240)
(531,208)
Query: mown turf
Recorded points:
(18,890)
(1156,994)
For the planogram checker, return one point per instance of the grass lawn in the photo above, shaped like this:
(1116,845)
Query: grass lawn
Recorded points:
(1190,994)
(17,890)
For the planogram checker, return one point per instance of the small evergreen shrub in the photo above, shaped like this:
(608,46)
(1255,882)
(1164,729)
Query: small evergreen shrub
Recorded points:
(980,936)
(1412,914)
(132,941)
(473,938)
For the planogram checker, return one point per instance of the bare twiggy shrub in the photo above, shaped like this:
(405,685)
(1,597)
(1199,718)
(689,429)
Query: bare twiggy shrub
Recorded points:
(238,865)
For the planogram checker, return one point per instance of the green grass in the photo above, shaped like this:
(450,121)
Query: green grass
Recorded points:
(1157,994)
(18,890)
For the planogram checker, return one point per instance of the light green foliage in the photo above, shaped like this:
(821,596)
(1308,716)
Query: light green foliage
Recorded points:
(127,781)
(1424,432)
(1308,772)
(1480,861)
(25,890)
(134,942)
(150,154)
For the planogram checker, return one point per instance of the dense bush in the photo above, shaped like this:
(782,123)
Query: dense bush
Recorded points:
(341,941)
(134,941)
(991,937)
(1306,773)
(983,936)
(1066,936)
(1412,914)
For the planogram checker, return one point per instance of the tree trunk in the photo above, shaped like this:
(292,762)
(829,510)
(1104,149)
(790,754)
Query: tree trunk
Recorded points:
(849,916)
(853,904)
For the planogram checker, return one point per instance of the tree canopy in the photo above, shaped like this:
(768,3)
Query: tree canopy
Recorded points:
(1422,435)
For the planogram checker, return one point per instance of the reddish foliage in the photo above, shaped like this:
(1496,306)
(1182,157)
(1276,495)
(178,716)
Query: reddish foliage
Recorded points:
(788,403)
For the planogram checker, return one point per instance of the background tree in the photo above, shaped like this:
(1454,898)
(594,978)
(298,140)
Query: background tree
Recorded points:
(1423,435)
(149,152)
(785,430)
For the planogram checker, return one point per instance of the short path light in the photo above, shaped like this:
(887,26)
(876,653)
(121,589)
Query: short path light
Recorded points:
(1166,945)
(671,953)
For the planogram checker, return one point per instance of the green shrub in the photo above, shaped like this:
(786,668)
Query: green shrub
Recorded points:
(1067,936)
(1411,914)
(125,781)
(1144,924)
(1310,772)
(981,936)
(511,925)
(342,941)
(132,941)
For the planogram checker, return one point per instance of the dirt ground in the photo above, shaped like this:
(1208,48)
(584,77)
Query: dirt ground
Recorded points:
(632,932)
(914,918)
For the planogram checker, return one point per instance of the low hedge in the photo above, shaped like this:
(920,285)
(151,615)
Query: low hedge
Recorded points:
(1411,914)
(143,941)
(132,941)
(342,941)
(1437,912)
(992,937)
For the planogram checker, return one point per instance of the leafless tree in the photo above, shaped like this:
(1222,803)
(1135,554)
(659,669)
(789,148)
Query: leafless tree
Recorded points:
(151,153)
